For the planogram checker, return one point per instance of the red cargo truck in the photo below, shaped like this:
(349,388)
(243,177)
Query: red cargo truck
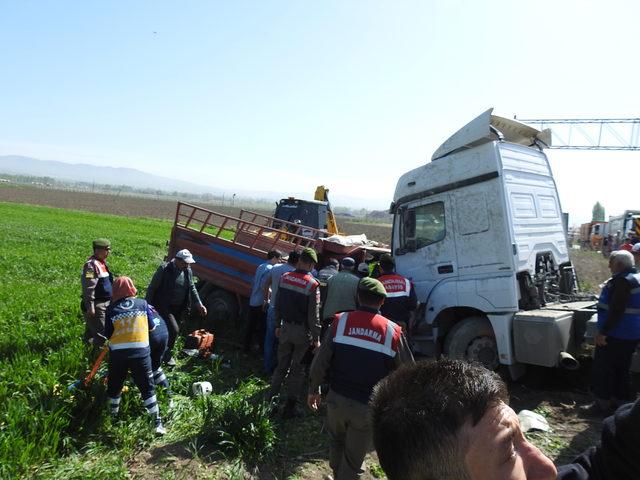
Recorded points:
(229,249)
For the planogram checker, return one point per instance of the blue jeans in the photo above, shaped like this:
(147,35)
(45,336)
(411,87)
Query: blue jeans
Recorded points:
(270,342)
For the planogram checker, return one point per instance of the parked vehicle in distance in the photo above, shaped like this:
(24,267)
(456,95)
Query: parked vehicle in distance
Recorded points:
(624,226)
(592,234)
(479,232)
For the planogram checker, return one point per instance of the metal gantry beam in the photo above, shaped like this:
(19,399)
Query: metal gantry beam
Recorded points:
(590,133)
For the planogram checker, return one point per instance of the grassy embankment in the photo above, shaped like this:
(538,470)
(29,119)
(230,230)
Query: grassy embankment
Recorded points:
(49,432)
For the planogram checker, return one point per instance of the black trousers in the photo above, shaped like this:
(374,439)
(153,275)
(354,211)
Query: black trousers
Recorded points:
(172,316)
(256,327)
(140,367)
(610,370)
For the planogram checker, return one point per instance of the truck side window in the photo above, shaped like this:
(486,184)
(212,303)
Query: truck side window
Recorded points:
(423,226)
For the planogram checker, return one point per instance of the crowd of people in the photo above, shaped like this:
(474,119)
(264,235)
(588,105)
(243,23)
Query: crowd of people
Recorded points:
(140,333)
(339,336)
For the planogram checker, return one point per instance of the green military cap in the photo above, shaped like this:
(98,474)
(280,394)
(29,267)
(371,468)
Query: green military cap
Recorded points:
(310,254)
(101,243)
(371,285)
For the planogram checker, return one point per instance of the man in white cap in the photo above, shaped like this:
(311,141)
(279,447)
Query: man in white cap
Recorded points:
(173,292)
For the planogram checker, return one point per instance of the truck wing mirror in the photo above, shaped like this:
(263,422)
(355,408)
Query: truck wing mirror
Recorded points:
(410,245)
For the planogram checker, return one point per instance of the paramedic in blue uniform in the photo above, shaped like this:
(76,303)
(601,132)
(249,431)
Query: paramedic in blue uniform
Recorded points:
(172,291)
(297,316)
(359,349)
(401,301)
(618,333)
(96,292)
(158,339)
(127,326)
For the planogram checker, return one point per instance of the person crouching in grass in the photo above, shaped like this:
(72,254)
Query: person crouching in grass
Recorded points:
(127,327)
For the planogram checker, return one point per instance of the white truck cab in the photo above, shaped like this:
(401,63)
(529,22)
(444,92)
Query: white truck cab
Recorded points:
(479,232)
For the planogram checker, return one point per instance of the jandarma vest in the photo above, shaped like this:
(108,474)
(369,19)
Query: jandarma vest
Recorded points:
(294,291)
(130,324)
(103,287)
(365,345)
(395,285)
(629,326)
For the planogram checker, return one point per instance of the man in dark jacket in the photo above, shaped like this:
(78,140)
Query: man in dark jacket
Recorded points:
(297,316)
(172,291)
(360,348)
(618,334)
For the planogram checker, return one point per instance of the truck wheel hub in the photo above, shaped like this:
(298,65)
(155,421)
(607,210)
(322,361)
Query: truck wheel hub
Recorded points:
(483,350)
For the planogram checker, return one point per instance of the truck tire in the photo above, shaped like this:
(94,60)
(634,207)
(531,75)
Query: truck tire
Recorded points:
(472,339)
(222,314)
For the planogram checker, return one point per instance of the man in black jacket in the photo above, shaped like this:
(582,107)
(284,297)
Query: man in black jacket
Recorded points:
(172,291)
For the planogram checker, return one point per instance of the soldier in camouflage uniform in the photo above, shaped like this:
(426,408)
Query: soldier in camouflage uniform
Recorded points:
(96,292)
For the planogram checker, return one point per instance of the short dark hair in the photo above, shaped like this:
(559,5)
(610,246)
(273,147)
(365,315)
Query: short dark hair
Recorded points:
(369,298)
(274,254)
(293,258)
(419,410)
(387,266)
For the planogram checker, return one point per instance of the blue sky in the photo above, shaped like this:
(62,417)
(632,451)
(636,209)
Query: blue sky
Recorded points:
(283,96)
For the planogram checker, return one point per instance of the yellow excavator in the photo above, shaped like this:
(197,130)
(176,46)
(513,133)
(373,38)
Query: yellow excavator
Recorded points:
(316,213)
(322,195)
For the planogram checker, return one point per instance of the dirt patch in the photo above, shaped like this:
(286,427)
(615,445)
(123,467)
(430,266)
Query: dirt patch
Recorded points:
(592,269)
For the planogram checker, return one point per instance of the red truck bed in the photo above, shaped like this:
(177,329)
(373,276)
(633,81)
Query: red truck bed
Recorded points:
(228,249)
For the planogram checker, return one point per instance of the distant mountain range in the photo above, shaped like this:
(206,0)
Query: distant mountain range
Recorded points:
(80,172)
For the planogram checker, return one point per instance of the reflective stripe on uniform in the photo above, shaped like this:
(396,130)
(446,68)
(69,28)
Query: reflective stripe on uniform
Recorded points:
(361,343)
(404,293)
(631,311)
(120,346)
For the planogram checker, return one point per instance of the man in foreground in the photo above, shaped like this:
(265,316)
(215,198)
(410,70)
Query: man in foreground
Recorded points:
(359,349)
(96,292)
(449,420)
(172,291)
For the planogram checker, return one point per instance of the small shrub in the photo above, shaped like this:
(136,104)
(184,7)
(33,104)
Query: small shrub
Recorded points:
(238,422)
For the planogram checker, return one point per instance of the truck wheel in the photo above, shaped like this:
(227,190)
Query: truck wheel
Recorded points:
(222,313)
(473,340)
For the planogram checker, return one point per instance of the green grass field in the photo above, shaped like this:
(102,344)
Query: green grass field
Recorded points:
(47,431)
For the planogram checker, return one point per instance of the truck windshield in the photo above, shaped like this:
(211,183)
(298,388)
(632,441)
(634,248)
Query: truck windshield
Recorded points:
(307,214)
(422,226)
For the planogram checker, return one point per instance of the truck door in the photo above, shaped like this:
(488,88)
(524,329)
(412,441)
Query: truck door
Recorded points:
(424,244)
